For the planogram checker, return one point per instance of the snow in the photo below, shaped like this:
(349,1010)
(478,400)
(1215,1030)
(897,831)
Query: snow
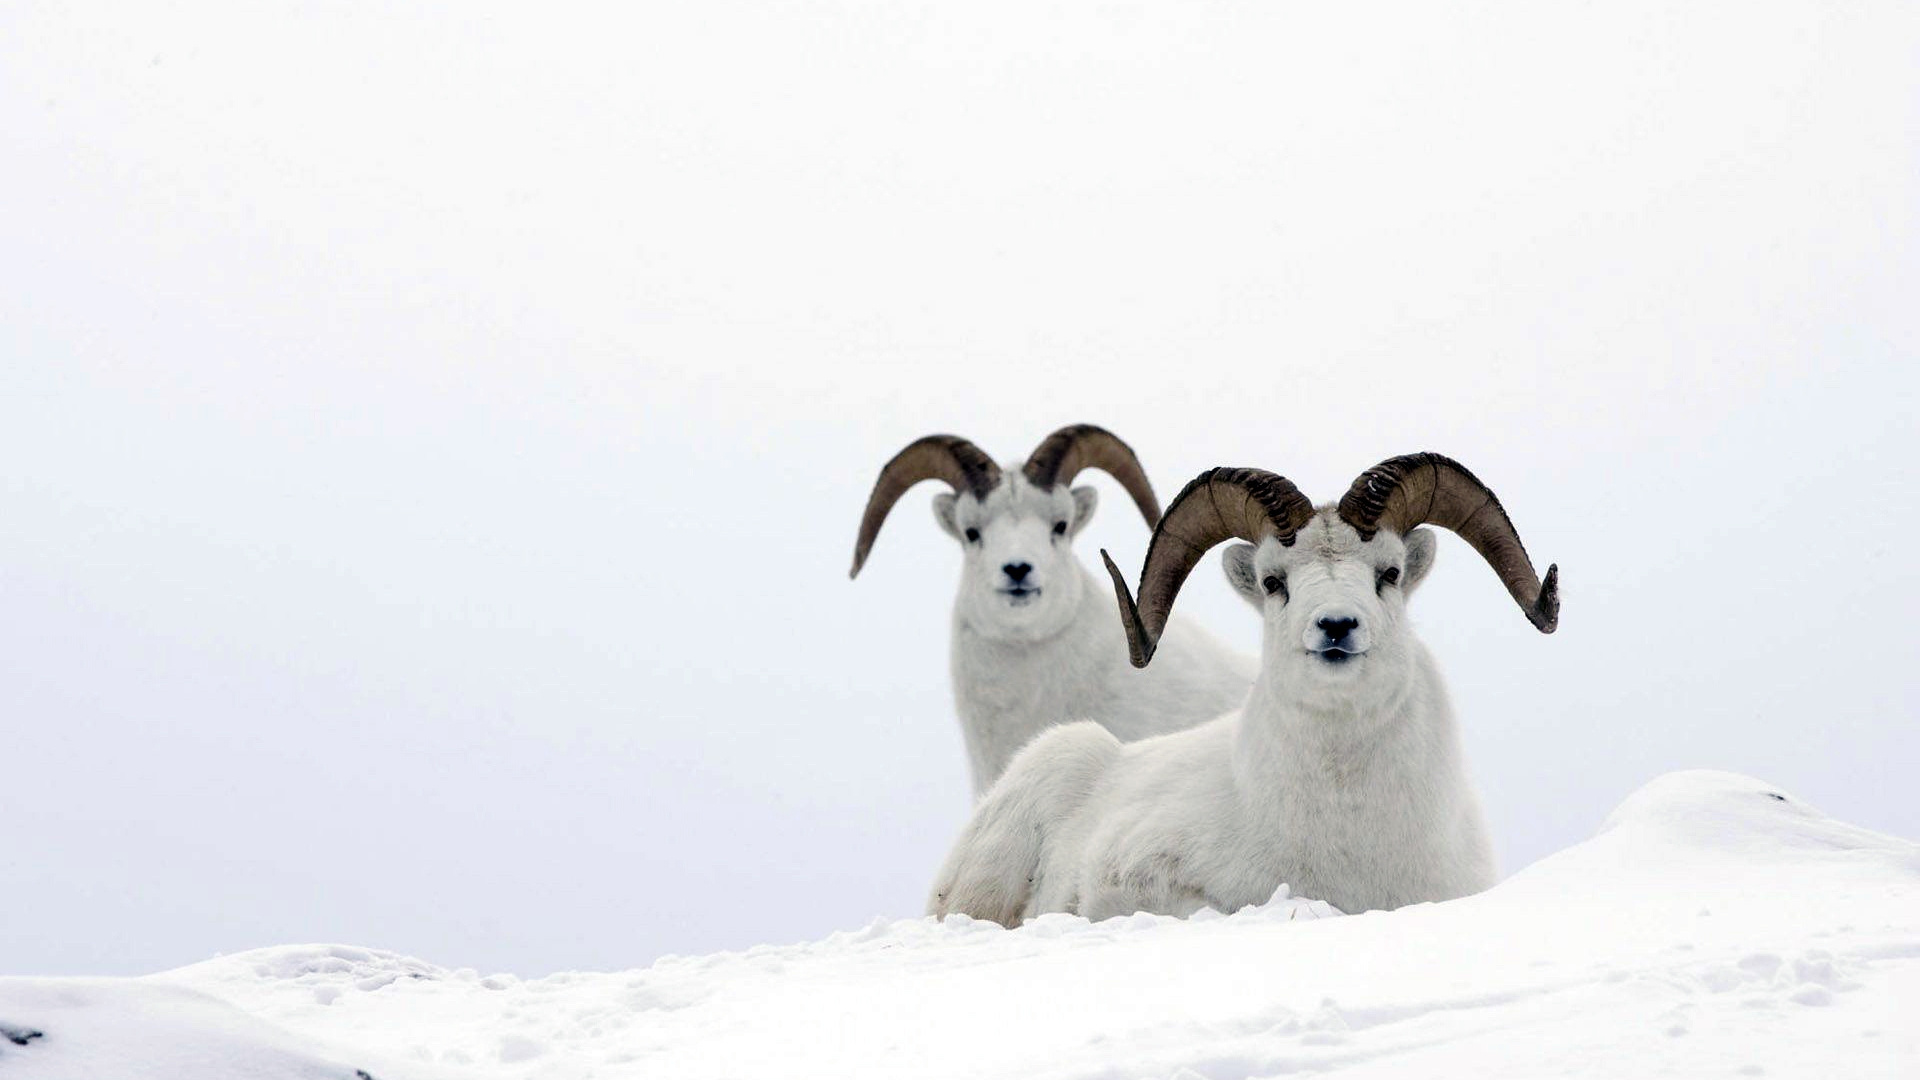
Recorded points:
(1715,926)
(97,1028)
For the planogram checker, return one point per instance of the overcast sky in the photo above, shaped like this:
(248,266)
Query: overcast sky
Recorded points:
(431,444)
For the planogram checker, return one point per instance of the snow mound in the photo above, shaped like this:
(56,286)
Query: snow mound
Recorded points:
(86,1029)
(1715,926)
(1726,816)
(324,971)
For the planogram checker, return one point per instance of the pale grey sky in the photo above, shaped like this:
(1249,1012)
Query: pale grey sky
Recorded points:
(431,446)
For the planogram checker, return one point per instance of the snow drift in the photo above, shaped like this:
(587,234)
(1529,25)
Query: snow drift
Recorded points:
(1714,926)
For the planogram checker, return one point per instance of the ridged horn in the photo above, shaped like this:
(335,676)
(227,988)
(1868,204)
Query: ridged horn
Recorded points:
(1220,504)
(964,466)
(1061,456)
(1406,492)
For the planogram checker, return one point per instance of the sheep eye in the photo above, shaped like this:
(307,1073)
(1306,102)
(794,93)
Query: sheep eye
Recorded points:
(973,536)
(1274,583)
(1389,576)
(1059,528)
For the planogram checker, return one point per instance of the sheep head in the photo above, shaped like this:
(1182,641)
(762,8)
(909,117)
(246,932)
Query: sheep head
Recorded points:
(1331,583)
(1015,526)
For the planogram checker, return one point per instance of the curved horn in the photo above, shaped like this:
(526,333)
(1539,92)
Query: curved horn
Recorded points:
(936,457)
(1219,504)
(1061,456)
(1405,492)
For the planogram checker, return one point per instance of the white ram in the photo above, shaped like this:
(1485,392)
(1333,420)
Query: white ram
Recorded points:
(1034,640)
(1341,776)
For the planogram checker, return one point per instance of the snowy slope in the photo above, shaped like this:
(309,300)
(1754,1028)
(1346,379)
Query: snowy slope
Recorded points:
(106,1029)
(1714,926)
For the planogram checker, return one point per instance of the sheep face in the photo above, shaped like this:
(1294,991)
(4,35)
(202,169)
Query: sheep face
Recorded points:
(1020,580)
(1334,606)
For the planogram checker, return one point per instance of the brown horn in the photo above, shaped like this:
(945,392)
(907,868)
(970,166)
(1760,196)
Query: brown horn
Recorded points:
(1406,492)
(1219,504)
(1061,456)
(961,464)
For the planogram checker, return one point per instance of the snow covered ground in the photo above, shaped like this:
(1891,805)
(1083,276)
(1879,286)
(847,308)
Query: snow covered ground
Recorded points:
(1714,927)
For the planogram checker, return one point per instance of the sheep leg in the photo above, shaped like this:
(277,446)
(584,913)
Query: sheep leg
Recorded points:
(990,873)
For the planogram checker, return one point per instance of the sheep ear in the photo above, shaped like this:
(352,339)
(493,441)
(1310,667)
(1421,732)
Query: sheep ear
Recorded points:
(1420,552)
(1085,502)
(943,504)
(1237,561)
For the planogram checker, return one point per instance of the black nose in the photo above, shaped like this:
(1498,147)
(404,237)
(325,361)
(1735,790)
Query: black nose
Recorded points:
(1337,629)
(1018,571)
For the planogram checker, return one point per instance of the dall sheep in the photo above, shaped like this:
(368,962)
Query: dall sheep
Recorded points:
(1342,774)
(1034,640)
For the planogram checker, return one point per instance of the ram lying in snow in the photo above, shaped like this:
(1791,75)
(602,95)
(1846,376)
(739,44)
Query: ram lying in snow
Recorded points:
(1340,777)
(1034,641)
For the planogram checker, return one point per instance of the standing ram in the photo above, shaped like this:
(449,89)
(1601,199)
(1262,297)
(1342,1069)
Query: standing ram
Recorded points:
(1034,641)
(1341,776)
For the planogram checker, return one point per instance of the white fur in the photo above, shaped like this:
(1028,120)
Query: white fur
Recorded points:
(1022,664)
(1341,780)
